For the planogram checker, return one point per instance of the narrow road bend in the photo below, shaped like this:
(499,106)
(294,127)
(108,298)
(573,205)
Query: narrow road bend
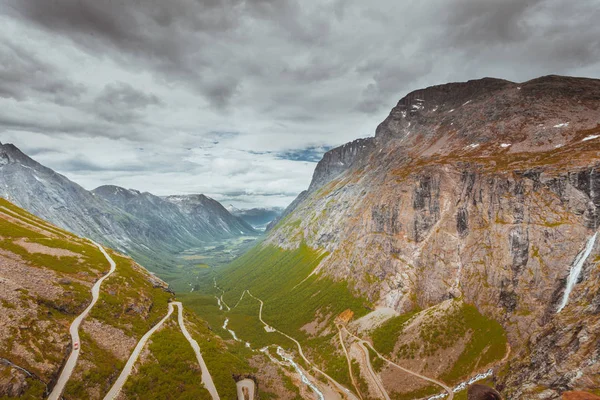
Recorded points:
(425,378)
(120,382)
(206,377)
(338,386)
(69,366)
(378,383)
(349,360)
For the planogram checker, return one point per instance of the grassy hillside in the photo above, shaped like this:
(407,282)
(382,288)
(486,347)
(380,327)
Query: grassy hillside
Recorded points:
(170,351)
(48,274)
(293,299)
(453,331)
(46,277)
(45,282)
(129,305)
(281,279)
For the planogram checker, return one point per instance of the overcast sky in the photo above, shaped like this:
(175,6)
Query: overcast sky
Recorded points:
(239,99)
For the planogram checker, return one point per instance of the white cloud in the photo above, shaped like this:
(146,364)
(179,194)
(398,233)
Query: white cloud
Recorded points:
(220,86)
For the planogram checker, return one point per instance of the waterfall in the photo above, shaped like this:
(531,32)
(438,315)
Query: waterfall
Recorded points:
(576,270)
(301,373)
(230,331)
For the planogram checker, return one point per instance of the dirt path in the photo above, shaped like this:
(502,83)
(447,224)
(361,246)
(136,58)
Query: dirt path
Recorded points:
(425,378)
(375,378)
(69,366)
(341,336)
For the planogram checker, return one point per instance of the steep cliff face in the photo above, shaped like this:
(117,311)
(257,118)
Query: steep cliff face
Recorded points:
(338,160)
(334,163)
(486,190)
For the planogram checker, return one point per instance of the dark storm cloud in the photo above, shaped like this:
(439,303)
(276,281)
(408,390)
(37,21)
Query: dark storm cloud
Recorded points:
(173,38)
(485,21)
(559,35)
(120,102)
(23,75)
(240,96)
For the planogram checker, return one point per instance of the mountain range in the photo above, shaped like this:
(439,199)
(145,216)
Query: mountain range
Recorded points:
(481,194)
(458,246)
(259,218)
(148,227)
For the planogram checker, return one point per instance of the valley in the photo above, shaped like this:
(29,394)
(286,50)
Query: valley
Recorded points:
(80,335)
(456,247)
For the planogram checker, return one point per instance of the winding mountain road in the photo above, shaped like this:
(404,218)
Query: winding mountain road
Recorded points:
(120,382)
(423,377)
(349,360)
(374,376)
(338,386)
(206,377)
(69,366)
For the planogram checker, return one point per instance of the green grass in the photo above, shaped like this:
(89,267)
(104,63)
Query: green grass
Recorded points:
(129,301)
(425,391)
(386,335)
(279,278)
(222,359)
(376,362)
(485,338)
(486,345)
(171,373)
(105,370)
(19,213)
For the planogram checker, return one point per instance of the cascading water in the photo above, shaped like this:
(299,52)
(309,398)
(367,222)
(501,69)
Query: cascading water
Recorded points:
(576,271)
(230,331)
(302,375)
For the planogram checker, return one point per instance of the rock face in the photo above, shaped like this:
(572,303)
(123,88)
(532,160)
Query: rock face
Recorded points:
(334,163)
(210,216)
(579,396)
(338,160)
(487,190)
(140,224)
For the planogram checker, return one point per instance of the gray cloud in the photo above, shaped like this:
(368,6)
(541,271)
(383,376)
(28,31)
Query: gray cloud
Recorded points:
(238,96)
(23,75)
(477,21)
(120,102)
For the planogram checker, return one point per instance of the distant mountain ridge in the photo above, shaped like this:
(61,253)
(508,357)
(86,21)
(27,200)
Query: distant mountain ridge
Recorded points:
(143,225)
(259,218)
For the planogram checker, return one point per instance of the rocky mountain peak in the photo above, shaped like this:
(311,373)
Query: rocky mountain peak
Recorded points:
(338,160)
(452,94)
(489,115)
(487,191)
(9,153)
